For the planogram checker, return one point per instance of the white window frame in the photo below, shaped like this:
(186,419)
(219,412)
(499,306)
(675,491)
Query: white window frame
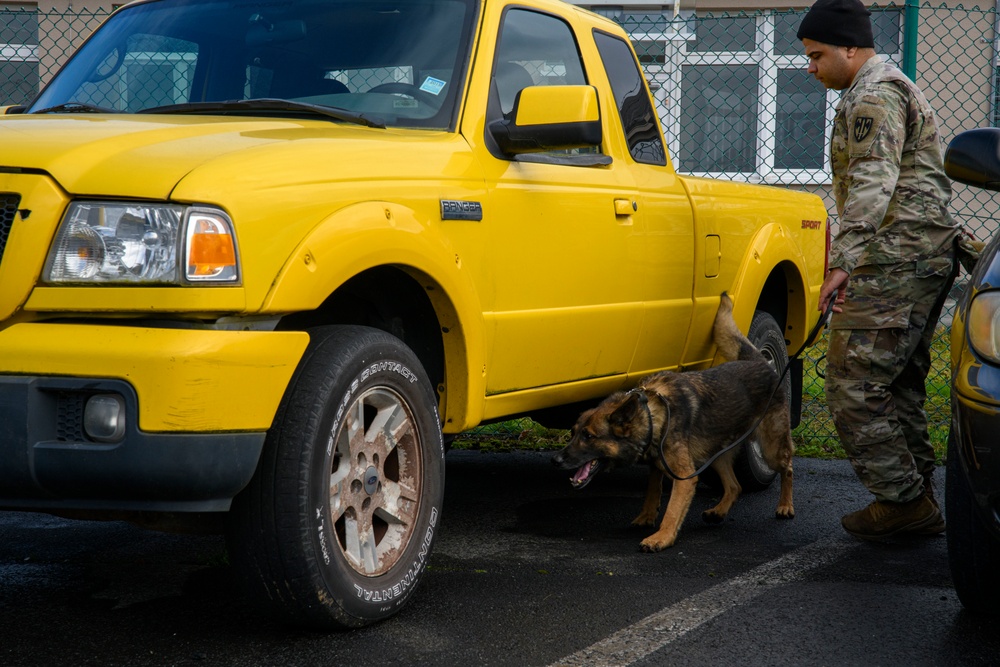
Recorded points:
(19,53)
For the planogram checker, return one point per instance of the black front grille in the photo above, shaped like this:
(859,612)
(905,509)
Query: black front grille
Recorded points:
(8,209)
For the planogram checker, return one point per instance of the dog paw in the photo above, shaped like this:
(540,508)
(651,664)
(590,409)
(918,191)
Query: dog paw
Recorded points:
(644,520)
(650,545)
(784,513)
(711,516)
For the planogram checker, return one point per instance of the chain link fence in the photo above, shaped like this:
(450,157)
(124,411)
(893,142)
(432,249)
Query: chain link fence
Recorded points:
(35,43)
(735,102)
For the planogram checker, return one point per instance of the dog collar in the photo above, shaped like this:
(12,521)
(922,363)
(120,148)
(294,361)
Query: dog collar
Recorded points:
(643,449)
(646,449)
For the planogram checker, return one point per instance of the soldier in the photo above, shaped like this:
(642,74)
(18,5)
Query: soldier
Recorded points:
(892,265)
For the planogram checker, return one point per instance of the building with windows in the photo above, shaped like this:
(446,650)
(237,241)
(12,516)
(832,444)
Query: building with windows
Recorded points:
(37,37)
(18,52)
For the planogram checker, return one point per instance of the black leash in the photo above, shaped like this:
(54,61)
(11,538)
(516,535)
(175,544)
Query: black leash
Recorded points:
(781,376)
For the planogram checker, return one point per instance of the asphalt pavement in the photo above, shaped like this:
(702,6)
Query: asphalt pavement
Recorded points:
(526,571)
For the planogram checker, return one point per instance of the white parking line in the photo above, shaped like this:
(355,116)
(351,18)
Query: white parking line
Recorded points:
(657,630)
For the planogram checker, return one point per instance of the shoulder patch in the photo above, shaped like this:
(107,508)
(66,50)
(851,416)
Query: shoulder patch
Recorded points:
(865,125)
(862,127)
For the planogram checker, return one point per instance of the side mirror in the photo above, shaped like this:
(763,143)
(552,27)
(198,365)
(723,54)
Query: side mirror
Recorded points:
(13,109)
(547,118)
(973,158)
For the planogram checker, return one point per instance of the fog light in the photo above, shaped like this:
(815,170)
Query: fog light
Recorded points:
(104,418)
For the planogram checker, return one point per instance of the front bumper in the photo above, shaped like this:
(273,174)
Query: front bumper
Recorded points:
(197,406)
(49,463)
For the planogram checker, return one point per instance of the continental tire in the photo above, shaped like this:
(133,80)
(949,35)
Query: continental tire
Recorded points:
(336,528)
(751,470)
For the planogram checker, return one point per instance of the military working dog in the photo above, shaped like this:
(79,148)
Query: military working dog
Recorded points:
(681,420)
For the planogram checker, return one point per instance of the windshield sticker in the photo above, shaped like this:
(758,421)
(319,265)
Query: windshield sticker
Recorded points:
(432,85)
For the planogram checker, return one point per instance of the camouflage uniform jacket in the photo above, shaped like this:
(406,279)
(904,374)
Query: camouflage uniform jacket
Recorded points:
(888,176)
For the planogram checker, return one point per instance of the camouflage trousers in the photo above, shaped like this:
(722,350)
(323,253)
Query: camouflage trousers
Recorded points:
(877,366)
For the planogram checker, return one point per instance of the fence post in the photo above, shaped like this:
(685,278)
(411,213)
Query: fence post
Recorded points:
(995,65)
(911,24)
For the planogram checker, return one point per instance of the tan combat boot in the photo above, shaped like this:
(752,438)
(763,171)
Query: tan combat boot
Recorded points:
(883,519)
(929,489)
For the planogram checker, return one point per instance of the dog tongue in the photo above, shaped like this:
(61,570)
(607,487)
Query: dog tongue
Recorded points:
(583,472)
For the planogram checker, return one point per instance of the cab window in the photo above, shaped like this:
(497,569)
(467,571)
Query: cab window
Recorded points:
(639,121)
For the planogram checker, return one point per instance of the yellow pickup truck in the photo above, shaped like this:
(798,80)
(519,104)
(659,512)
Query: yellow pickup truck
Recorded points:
(258,257)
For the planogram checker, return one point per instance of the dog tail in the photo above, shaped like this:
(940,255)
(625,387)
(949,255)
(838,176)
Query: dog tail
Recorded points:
(733,345)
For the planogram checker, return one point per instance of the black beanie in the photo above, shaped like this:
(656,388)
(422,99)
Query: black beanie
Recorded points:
(838,22)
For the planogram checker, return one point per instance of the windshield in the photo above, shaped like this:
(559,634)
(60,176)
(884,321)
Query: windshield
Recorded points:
(401,62)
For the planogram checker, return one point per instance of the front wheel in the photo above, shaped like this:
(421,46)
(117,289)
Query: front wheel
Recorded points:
(336,527)
(751,469)
(973,550)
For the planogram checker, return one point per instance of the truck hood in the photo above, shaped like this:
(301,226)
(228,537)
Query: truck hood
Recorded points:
(142,156)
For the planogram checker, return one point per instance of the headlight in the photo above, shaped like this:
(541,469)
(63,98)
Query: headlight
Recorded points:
(983,325)
(142,244)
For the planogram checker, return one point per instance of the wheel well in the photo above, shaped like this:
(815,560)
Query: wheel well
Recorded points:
(774,297)
(783,297)
(385,298)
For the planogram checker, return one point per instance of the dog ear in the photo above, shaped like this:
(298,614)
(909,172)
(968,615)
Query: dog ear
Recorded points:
(621,419)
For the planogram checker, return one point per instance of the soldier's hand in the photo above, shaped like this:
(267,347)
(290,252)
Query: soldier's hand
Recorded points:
(834,287)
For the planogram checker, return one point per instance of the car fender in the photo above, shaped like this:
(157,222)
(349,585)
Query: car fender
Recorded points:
(775,248)
(371,234)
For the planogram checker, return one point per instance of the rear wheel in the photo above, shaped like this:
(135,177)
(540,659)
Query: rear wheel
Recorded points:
(973,550)
(751,469)
(336,527)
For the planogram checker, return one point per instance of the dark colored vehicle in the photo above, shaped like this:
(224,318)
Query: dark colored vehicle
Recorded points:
(972,502)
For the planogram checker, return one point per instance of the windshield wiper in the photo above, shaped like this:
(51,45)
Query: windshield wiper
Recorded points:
(76,107)
(269,104)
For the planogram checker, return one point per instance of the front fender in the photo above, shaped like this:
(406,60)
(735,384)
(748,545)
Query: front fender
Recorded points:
(372,234)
